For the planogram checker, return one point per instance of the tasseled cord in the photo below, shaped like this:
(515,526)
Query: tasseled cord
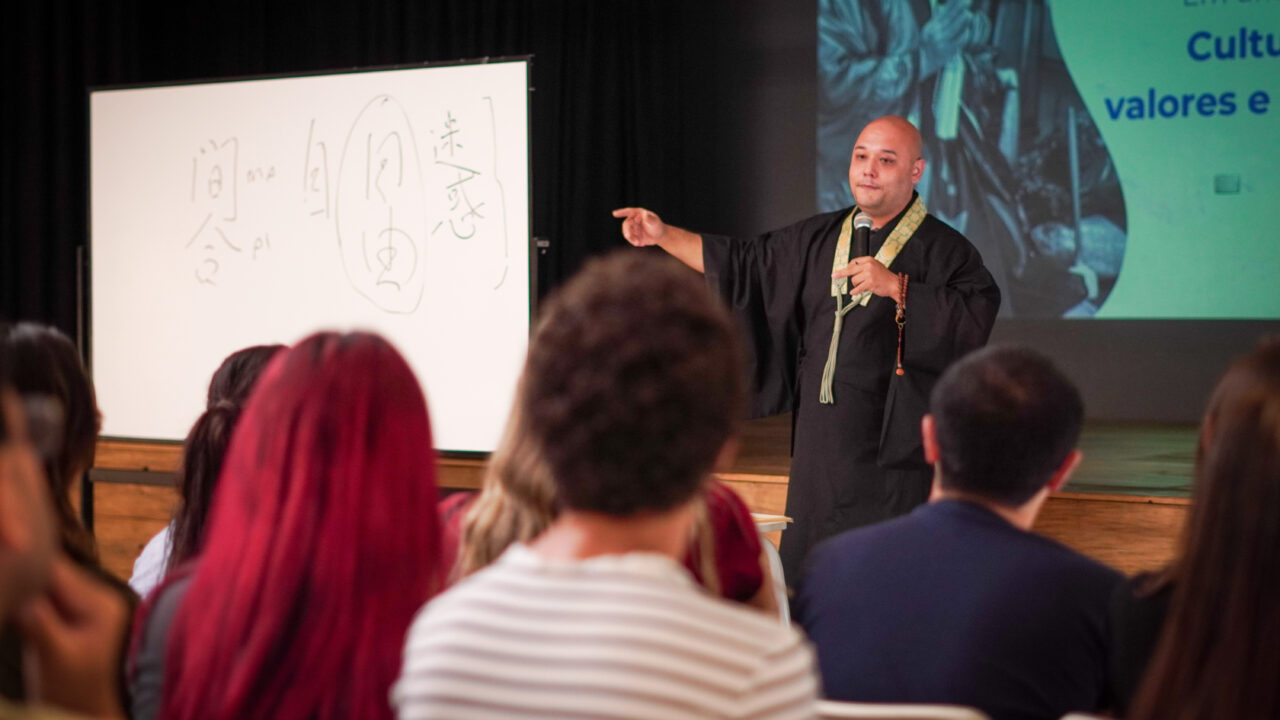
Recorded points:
(825,395)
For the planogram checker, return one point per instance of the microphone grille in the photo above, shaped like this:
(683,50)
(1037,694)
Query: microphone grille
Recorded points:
(862,220)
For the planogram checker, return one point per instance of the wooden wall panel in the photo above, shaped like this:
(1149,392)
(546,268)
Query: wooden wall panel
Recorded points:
(1129,534)
(125,518)
(1126,532)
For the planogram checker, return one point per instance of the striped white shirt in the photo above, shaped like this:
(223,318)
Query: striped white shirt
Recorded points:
(617,636)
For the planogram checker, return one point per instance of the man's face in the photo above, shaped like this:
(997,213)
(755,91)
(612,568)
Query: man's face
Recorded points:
(884,169)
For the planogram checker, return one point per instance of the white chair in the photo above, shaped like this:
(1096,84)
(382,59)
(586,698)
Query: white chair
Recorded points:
(836,710)
(779,582)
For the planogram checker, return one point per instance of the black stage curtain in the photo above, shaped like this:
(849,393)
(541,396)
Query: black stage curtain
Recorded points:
(623,99)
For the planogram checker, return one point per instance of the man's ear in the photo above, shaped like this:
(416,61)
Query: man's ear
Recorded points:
(917,170)
(1064,471)
(929,434)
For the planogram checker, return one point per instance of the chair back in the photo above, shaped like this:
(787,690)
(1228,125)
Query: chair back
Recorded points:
(779,582)
(837,710)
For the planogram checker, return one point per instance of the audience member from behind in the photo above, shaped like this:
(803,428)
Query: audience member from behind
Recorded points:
(631,391)
(71,624)
(518,502)
(44,368)
(959,602)
(44,363)
(202,456)
(321,544)
(1218,654)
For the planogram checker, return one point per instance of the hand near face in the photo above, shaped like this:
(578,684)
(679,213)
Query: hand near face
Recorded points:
(74,636)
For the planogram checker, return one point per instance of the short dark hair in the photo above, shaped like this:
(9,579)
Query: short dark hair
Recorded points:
(634,382)
(1005,419)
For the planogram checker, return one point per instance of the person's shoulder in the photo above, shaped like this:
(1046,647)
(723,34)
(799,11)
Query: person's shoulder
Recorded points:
(897,527)
(1027,555)
(945,249)
(774,656)
(940,234)
(938,227)
(1143,594)
(1074,567)
(169,594)
(868,543)
(149,567)
(467,595)
(815,225)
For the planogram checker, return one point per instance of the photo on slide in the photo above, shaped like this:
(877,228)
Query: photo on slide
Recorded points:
(1014,160)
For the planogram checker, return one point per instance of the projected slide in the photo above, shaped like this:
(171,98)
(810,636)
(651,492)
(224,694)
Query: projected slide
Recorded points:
(1108,159)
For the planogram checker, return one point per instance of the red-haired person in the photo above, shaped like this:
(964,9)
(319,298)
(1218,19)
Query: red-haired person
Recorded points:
(1201,639)
(322,543)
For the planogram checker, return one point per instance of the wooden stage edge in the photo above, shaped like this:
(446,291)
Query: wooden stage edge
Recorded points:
(1125,508)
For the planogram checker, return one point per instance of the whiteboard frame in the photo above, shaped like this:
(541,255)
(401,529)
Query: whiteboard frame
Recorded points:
(85,263)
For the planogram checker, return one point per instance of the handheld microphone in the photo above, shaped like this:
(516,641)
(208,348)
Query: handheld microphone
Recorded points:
(861,234)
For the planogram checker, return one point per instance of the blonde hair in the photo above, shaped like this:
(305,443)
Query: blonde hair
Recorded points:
(516,503)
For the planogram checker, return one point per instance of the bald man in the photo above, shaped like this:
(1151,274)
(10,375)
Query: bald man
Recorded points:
(857,456)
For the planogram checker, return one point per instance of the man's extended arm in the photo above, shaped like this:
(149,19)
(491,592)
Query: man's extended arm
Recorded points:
(643,228)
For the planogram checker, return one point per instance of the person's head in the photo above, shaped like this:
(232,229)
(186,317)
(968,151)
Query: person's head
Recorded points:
(206,445)
(885,167)
(44,363)
(1003,424)
(1238,458)
(1218,652)
(321,545)
(633,385)
(236,376)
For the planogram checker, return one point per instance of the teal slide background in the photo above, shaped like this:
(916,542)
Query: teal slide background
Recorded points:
(1191,252)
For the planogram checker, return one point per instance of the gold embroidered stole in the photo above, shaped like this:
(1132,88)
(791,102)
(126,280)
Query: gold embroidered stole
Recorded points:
(893,244)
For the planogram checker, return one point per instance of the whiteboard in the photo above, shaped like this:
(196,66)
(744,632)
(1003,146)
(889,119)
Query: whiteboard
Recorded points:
(231,214)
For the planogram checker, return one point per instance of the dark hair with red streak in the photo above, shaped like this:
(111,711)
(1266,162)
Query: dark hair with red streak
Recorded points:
(322,543)
(1219,649)
(206,447)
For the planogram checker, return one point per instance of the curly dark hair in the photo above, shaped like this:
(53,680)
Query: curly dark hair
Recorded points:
(633,384)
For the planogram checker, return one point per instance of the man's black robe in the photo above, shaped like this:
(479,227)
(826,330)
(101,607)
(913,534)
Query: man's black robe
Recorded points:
(859,460)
